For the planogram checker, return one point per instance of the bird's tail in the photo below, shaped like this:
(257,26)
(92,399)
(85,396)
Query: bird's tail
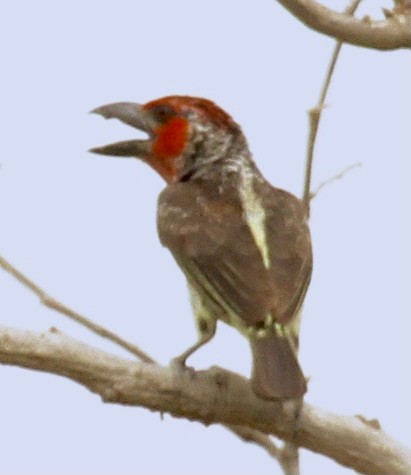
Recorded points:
(276,372)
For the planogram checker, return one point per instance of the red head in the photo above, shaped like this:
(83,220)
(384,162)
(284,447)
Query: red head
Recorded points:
(180,128)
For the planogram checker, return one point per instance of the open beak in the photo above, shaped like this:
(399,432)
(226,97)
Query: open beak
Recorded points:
(131,114)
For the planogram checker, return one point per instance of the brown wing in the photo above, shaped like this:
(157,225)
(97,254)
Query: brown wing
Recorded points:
(290,250)
(211,240)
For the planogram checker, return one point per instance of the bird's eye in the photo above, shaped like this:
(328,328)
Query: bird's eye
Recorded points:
(163,112)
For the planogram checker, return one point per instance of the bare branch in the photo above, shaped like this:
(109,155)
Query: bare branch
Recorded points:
(314,114)
(391,33)
(54,304)
(212,396)
(260,439)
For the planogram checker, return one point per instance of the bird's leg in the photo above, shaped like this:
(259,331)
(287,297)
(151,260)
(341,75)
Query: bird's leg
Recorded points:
(180,361)
(206,329)
(206,323)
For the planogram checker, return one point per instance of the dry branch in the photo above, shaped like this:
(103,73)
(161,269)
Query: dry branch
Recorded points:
(391,33)
(54,304)
(212,396)
(245,433)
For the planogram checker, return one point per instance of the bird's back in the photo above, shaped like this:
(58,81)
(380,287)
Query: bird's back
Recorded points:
(209,234)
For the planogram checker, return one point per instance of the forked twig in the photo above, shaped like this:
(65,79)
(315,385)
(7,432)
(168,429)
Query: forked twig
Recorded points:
(52,303)
(315,114)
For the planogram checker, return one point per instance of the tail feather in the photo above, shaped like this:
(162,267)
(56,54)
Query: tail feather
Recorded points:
(276,372)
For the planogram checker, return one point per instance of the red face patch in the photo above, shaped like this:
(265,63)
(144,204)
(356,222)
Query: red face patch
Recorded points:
(169,142)
(171,138)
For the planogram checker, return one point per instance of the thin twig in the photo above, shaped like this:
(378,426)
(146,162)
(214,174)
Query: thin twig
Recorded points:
(291,460)
(333,178)
(315,113)
(52,303)
(252,435)
(287,456)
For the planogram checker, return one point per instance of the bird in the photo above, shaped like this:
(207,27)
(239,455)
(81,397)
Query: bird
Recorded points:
(243,245)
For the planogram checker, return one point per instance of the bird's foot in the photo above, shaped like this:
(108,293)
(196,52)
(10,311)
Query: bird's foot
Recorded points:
(178,364)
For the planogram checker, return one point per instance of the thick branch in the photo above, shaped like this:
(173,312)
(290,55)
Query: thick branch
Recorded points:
(213,396)
(244,432)
(389,34)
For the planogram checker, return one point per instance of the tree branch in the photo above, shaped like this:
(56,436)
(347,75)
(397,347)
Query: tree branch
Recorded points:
(212,396)
(391,33)
(54,304)
(243,432)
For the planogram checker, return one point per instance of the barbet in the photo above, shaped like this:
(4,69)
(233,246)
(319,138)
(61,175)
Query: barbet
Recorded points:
(243,245)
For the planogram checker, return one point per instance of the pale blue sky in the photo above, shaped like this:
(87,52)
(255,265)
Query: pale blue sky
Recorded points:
(83,227)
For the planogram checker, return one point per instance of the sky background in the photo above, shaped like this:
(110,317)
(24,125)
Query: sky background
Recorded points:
(83,226)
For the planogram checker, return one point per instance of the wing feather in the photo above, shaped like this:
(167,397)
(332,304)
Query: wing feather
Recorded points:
(213,244)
